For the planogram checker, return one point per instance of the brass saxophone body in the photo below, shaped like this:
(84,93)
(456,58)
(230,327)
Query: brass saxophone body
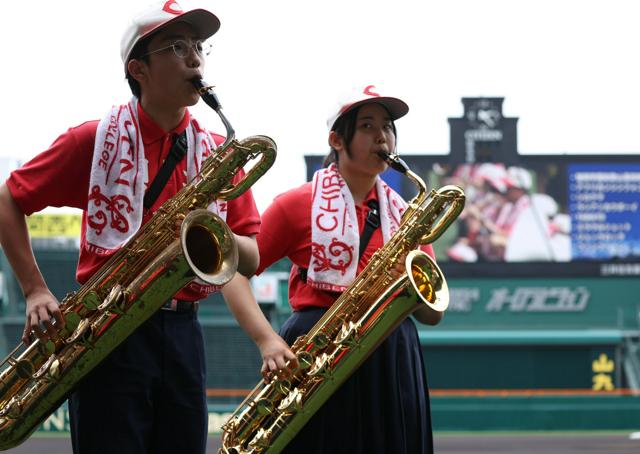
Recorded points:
(180,242)
(357,322)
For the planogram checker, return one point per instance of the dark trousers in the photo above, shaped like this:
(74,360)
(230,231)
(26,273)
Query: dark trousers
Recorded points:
(148,396)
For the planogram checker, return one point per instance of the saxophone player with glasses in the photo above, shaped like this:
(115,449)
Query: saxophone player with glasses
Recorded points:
(148,395)
(330,228)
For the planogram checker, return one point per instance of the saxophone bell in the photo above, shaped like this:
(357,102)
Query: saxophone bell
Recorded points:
(427,281)
(209,247)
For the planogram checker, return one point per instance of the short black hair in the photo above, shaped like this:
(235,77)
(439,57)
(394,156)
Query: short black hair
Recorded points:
(345,127)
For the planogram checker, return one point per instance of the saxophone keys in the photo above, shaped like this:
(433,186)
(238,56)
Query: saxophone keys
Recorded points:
(198,200)
(261,440)
(321,367)
(305,359)
(10,360)
(50,370)
(292,402)
(281,387)
(91,300)
(320,341)
(71,319)
(264,407)
(348,336)
(13,409)
(81,334)
(275,390)
(114,302)
(55,369)
(23,368)
(230,426)
(232,450)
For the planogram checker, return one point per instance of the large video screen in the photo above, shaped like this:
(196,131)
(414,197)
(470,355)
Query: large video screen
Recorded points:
(544,211)
(552,215)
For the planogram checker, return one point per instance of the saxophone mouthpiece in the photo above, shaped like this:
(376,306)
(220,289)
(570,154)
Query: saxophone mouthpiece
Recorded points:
(394,162)
(206,93)
(209,97)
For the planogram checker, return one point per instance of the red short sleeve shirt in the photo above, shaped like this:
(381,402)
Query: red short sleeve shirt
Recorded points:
(286,232)
(59,177)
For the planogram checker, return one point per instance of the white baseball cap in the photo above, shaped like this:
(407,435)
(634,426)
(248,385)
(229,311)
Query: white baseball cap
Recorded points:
(161,14)
(494,174)
(519,178)
(361,95)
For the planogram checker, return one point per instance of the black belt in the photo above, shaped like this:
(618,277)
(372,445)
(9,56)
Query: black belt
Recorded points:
(175,305)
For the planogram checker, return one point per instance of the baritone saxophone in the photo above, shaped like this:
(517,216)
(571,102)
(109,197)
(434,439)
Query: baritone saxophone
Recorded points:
(181,242)
(357,322)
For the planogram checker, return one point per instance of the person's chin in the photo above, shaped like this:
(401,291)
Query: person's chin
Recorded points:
(192,100)
(381,168)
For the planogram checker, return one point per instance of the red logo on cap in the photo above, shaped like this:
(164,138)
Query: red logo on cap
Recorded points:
(368,90)
(172,7)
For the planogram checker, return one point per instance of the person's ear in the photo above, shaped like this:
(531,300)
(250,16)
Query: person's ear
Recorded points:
(137,69)
(336,141)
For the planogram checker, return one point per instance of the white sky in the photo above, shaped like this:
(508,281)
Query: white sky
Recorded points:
(569,69)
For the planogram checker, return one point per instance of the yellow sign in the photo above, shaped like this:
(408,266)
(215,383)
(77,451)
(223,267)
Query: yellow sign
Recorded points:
(54,225)
(602,369)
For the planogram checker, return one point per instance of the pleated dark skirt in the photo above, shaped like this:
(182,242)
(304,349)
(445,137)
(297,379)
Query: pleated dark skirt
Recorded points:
(382,408)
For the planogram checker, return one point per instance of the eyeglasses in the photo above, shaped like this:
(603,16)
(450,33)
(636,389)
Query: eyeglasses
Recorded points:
(181,48)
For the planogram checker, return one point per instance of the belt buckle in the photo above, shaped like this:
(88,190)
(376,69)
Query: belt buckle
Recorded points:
(175,305)
(170,305)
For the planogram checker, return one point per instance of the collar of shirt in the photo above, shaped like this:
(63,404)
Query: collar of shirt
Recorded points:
(371,195)
(362,210)
(152,132)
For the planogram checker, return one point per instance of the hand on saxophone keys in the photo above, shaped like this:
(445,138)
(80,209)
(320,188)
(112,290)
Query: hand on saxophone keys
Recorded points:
(278,361)
(44,319)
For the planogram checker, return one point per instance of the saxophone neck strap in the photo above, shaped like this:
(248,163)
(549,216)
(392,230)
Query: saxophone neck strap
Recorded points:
(176,154)
(371,224)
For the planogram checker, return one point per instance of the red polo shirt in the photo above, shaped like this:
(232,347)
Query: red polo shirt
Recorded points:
(286,232)
(59,177)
